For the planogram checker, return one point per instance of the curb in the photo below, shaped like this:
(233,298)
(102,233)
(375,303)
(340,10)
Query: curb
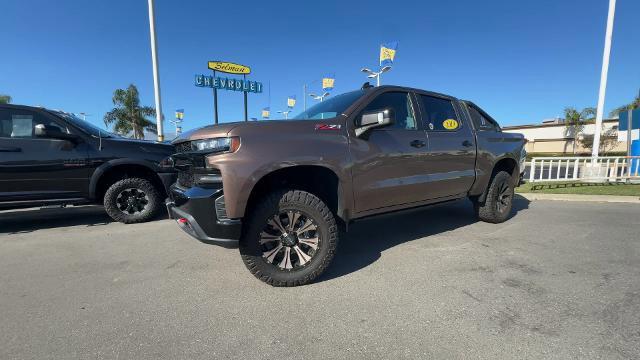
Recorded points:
(590,198)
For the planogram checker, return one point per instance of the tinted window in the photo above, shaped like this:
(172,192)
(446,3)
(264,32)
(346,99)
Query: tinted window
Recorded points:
(331,107)
(84,125)
(20,123)
(438,114)
(400,103)
(480,122)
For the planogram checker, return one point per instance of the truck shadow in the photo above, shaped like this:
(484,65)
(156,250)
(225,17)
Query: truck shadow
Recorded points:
(29,220)
(367,239)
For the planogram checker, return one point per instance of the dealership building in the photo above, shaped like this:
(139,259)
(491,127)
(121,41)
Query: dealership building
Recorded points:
(552,137)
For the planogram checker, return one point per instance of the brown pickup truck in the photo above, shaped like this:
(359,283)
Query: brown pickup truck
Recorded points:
(284,191)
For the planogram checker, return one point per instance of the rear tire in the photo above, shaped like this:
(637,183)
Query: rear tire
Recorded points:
(132,200)
(499,200)
(290,238)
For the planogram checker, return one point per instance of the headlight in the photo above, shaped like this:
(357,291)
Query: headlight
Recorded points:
(166,163)
(214,145)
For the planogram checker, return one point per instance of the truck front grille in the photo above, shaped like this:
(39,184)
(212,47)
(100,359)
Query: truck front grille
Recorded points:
(183,147)
(186,178)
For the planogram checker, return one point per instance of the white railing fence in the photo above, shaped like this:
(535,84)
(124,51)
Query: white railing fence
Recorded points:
(588,169)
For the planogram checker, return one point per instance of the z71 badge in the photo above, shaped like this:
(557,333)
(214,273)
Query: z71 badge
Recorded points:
(328,127)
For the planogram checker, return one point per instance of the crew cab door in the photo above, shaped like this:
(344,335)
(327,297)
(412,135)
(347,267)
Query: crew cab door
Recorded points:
(389,162)
(35,168)
(451,159)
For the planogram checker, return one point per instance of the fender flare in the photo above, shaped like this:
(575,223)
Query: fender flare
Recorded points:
(483,195)
(344,199)
(103,168)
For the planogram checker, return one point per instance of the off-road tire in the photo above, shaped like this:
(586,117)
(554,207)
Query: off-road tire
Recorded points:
(276,203)
(491,211)
(151,209)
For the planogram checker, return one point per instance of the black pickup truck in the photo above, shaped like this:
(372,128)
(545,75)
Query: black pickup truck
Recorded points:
(50,157)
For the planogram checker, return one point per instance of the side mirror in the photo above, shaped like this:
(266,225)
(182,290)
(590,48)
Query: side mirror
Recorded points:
(54,132)
(375,119)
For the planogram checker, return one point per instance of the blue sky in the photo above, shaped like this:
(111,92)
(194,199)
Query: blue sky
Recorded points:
(523,61)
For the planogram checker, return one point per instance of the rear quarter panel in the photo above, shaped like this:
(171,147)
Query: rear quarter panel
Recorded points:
(492,147)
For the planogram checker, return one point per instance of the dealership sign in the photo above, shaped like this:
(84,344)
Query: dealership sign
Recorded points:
(229,67)
(223,83)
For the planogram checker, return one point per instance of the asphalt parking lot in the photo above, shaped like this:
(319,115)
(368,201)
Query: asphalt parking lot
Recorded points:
(559,280)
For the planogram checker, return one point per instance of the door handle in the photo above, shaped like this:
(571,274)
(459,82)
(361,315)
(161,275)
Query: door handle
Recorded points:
(467,143)
(10,149)
(417,143)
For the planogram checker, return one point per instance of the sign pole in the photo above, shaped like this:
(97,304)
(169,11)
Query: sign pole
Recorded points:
(215,102)
(246,112)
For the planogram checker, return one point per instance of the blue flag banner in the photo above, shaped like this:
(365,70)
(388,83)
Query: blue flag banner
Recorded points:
(327,82)
(266,112)
(180,114)
(291,101)
(388,53)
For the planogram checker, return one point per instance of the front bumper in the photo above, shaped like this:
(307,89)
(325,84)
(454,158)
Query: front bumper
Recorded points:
(167,179)
(195,211)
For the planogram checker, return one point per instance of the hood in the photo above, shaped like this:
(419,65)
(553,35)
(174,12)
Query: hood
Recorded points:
(209,131)
(144,146)
(263,127)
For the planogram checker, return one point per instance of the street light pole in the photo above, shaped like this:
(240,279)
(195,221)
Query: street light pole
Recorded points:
(156,77)
(375,74)
(285,113)
(304,96)
(603,78)
(319,97)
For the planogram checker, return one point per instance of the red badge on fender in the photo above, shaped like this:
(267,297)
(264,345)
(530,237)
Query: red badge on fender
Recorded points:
(328,127)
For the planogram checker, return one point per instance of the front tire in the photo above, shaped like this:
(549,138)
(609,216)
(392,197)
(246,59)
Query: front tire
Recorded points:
(132,200)
(290,238)
(499,200)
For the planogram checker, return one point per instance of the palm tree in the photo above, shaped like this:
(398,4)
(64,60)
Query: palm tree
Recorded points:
(128,116)
(5,99)
(574,122)
(633,105)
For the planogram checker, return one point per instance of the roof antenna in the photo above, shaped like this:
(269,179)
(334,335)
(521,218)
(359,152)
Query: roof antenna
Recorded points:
(99,140)
(366,86)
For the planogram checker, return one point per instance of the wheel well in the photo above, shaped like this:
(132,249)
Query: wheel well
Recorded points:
(317,180)
(507,164)
(119,172)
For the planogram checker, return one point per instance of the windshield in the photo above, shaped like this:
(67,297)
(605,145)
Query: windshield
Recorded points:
(84,125)
(331,107)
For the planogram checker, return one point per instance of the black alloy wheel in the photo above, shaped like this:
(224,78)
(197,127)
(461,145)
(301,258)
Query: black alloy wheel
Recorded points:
(289,239)
(133,200)
(499,199)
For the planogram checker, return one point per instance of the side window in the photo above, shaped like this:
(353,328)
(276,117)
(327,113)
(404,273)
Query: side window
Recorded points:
(480,122)
(21,123)
(439,114)
(402,107)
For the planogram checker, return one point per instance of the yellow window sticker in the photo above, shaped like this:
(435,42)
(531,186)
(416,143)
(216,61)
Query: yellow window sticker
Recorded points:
(450,124)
